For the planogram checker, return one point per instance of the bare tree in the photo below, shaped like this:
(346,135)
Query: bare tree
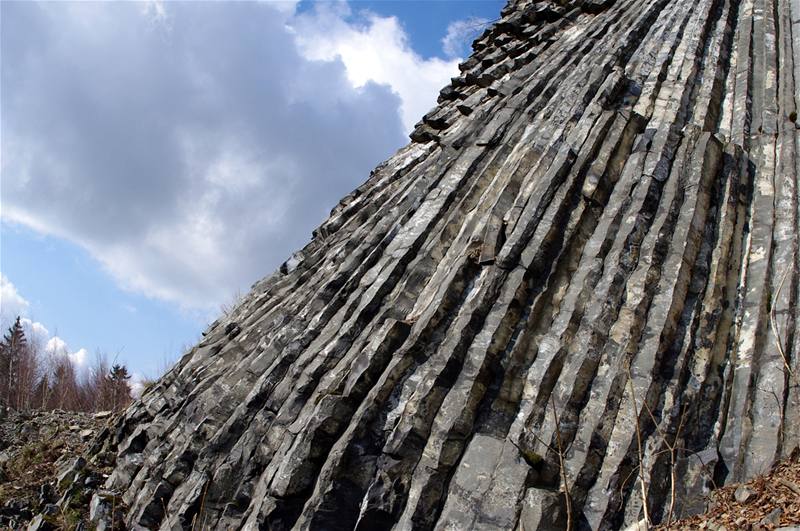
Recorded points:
(29,380)
(65,392)
(97,387)
(106,386)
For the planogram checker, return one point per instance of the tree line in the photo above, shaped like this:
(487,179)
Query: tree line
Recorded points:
(33,379)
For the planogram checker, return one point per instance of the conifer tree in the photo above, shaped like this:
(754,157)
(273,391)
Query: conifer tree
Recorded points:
(121,389)
(13,354)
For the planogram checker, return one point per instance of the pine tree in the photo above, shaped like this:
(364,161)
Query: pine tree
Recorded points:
(13,352)
(121,389)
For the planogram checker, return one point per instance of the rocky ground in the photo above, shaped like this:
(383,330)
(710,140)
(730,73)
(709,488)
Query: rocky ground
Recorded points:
(48,479)
(770,501)
(45,483)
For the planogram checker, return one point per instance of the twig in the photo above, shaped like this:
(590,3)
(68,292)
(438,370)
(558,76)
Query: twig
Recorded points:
(164,506)
(710,476)
(561,452)
(201,510)
(673,468)
(774,324)
(672,455)
(639,449)
(635,470)
(564,478)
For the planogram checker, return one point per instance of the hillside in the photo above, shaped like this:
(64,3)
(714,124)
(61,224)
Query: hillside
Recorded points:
(570,301)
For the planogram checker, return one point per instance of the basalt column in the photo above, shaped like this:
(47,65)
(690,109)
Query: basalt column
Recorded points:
(580,276)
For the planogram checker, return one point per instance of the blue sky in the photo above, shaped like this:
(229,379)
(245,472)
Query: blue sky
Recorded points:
(426,21)
(157,157)
(65,288)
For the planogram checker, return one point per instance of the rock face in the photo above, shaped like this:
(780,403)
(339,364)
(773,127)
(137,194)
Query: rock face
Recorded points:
(581,276)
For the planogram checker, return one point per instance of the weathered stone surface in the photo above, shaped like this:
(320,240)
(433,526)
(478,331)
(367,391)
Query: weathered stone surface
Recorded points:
(743,494)
(773,517)
(581,275)
(39,523)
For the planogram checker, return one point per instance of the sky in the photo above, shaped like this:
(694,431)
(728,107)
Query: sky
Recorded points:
(157,158)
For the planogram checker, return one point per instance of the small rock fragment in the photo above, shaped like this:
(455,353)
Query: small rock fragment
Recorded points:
(40,524)
(743,494)
(773,517)
(68,475)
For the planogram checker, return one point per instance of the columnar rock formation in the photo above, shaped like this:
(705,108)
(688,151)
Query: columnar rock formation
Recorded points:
(581,275)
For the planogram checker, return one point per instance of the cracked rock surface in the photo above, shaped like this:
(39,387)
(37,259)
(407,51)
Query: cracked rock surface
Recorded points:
(581,275)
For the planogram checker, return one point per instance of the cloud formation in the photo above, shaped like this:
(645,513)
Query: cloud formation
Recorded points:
(12,303)
(375,50)
(56,347)
(191,147)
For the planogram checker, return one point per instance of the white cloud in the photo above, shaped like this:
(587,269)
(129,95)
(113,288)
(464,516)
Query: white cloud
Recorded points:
(377,51)
(35,331)
(460,34)
(79,357)
(57,347)
(12,304)
(136,382)
(191,147)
